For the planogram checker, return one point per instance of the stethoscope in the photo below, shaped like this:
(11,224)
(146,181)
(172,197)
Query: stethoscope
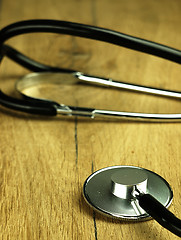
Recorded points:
(124,192)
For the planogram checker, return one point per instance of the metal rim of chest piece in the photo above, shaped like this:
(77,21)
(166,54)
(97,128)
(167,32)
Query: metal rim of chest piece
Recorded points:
(110,191)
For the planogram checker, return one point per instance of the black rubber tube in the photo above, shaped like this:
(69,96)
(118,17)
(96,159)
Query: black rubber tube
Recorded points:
(32,106)
(91,32)
(161,214)
(29,63)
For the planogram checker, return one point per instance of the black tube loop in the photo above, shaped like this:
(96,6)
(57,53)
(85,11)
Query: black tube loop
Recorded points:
(74,29)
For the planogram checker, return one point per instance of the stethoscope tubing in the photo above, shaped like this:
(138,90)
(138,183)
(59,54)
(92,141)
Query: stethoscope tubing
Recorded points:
(43,107)
(91,32)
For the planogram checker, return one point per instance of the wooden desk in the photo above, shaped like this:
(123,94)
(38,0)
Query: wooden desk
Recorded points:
(45,161)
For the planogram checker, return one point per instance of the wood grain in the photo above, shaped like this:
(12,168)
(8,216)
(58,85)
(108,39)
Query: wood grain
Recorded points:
(45,161)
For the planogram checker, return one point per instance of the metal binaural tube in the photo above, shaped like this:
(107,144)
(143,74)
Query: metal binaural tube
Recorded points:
(123,85)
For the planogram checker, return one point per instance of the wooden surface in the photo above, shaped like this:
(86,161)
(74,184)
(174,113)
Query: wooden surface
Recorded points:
(45,161)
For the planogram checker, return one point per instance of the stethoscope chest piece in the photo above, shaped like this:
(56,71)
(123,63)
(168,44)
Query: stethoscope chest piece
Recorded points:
(114,191)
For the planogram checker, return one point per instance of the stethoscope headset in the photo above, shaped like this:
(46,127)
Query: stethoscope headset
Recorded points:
(124,192)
